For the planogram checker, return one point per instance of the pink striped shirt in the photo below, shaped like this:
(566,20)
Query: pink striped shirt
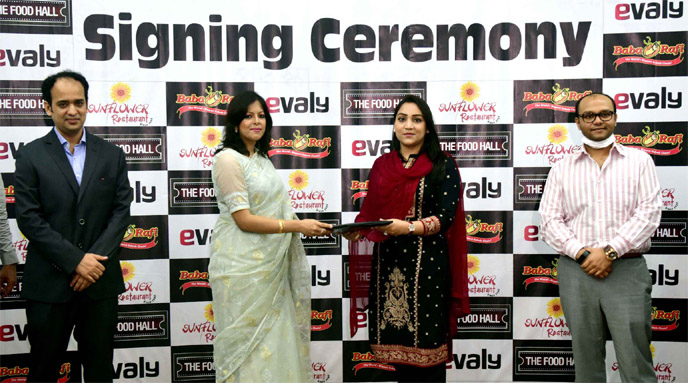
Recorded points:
(584,205)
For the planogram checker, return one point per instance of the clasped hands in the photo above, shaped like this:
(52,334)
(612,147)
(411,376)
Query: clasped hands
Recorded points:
(88,271)
(596,264)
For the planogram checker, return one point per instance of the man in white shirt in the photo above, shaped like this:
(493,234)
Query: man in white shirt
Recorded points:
(599,210)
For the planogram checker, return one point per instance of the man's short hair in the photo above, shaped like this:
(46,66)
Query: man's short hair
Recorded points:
(595,94)
(49,82)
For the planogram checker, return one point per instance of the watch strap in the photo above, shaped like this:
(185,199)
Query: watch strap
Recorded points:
(582,257)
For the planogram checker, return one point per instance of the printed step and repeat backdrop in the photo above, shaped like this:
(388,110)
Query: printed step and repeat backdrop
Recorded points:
(501,78)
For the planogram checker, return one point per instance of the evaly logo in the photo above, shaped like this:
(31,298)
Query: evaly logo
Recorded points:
(663,276)
(141,193)
(645,55)
(29,58)
(142,369)
(9,149)
(373,148)
(12,332)
(482,361)
(650,100)
(189,237)
(310,104)
(482,189)
(318,278)
(650,11)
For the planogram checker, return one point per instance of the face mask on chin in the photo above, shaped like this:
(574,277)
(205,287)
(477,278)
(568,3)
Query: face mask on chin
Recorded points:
(599,144)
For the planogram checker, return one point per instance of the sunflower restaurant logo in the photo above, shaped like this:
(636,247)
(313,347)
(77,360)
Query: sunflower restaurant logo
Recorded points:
(298,146)
(668,199)
(136,291)
(119,111)
(468,109)
(556,149)
(480,284)
(554,325)
(210,138)
(645,55)
(205,330)
(312,200)
(651,138)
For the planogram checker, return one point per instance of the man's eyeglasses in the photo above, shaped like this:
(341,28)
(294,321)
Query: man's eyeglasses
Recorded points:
(590,117)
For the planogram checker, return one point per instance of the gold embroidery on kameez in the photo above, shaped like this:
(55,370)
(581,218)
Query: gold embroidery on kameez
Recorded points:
(396,310)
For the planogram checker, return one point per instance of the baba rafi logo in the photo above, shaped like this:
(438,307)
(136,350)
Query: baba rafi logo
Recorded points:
(554,100)
(646,55)
(650,139)
(298,146)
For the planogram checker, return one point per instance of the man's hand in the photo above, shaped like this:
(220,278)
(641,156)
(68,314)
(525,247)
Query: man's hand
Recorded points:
(90,268)
(597,263)
(79,283)
(8,278)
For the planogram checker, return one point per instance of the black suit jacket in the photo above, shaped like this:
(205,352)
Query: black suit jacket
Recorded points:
(63,220)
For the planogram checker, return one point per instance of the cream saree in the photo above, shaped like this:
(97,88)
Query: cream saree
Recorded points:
(260,282)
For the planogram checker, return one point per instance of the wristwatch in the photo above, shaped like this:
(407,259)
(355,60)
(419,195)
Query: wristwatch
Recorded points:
(412,227)
(610,253)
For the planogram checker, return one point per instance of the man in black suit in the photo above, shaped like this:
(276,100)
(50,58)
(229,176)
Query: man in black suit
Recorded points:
(72,204)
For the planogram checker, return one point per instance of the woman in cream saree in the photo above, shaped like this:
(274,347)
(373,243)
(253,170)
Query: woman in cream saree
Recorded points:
(258,271)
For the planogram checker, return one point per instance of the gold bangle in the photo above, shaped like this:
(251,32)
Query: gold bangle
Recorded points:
(281,226)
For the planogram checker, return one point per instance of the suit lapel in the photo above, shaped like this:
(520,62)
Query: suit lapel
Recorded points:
(53,146)
(90,164)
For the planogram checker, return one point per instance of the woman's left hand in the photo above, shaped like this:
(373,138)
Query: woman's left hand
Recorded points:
(397,227)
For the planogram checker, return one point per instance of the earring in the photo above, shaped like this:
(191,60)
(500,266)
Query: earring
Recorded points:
(236,130)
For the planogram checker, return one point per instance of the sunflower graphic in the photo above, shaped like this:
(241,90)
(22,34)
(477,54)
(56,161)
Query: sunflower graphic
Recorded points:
(209,313)
(127,270)
(298,180)
(473,264)
(557,134)
(120,92)
(554,308)
(652,350)
(211,137)
(470,91)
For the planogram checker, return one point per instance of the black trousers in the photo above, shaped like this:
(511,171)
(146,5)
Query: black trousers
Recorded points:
(49,326)
(405,373)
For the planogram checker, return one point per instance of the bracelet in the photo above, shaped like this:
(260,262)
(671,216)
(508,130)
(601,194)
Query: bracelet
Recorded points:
(281,225)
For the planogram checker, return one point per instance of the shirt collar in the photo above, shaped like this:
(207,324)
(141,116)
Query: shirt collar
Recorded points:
(622,150)
(63,141)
